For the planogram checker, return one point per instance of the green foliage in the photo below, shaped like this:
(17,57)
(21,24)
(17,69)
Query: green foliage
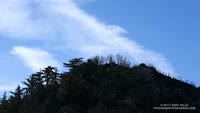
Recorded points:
(100,85)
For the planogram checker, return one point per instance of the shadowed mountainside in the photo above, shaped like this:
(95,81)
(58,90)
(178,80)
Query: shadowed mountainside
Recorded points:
(101,85)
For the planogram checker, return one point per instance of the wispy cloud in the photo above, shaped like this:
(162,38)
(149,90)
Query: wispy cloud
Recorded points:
(34,58)
(6,88)
(68,27)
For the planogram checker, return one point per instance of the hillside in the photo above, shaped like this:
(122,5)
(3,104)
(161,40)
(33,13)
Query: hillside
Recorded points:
(101,85)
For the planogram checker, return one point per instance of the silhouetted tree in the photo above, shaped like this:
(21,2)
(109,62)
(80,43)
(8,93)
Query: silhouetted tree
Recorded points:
(100,85)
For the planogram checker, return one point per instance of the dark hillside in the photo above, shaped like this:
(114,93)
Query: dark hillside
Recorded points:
(102,85)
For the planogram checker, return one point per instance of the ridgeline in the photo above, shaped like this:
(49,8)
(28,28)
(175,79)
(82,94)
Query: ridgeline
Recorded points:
(102,85)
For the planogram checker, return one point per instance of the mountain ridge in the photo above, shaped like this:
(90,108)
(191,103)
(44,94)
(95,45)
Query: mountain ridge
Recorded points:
(102,85)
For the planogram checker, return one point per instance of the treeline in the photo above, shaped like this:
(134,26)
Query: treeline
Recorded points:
(100,85)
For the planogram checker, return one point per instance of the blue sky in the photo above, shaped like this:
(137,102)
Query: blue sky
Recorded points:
(170,27)
(37,33)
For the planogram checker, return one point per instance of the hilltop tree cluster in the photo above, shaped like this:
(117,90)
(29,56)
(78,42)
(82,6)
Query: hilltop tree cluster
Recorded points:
(100,85)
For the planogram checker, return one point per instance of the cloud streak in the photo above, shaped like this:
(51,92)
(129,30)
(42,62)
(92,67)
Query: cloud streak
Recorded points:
(65,26)
(6,88)
(34,58)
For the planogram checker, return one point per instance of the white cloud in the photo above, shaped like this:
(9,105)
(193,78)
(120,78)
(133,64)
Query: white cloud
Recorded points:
(82,2)
(6,88)
(15,16)
(64,25)
(34,58)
